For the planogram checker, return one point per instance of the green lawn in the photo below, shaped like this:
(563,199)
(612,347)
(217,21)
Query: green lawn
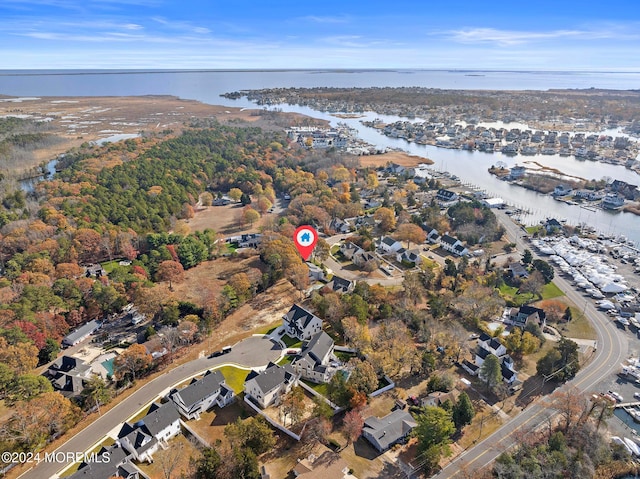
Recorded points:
(234,377)
(291,342)
(579,327)
(285,360)
(533,229)
(108,266)
(550,291)
(267,329)
(319,388)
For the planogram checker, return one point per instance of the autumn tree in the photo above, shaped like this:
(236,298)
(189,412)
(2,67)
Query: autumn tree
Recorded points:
(386,218)
(533,284)
(241,283)
(133,361)
(293,405)
(352,425)
(393,350)
(235,194)
(263,205)
(206,199)
(253,433)
(28,386)
(249,215)
(363,376)
(411,233)
(21,357)
(171,271)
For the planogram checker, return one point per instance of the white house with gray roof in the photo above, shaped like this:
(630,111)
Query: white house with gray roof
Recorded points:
(300,323)
(392,429)
(153,431)
(202,394)
(267,387)
(313,362)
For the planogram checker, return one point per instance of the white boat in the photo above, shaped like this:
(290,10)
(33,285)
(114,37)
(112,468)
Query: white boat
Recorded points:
(623,321)
(621,442)
(635,450)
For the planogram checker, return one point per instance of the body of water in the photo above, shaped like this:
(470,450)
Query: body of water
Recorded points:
(471,167)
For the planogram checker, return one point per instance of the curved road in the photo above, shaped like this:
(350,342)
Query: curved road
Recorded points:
(611,350)
(252,352)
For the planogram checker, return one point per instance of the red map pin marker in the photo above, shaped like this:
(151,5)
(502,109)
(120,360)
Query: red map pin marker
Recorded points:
(305,239)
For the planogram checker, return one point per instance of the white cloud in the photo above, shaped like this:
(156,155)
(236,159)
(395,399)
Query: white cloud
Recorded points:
(324,19)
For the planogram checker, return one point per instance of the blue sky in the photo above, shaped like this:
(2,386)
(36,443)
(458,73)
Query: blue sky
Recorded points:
(211,34)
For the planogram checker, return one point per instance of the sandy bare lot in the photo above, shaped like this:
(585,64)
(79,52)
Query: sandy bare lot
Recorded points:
(398,157)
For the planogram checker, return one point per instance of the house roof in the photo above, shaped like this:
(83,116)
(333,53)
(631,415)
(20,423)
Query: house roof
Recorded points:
(483,353)
(494,344)
(105,469)
(518,269)
(299,318)
(200,388)
(389,429)
(71,365)
(340,284)
(459,247)
(446,194)
(506,372)
(469,365)
(448,239)
(82,331)
(388,241)
(529,310)
(160,417)
(318,346)
(273,376)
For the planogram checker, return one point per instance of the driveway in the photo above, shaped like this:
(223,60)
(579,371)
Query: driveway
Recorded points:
(255,351)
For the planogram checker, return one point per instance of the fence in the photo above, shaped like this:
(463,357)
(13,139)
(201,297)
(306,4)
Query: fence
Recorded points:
(275,424)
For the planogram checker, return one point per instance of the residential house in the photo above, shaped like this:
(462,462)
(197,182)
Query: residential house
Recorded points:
(300,323)
(388,245)
(316,273)
(432,234)
(391,429)
(517,172)
(112,461)
(395,169)
(249,240)
(446,196)
(267,387)
(339,226)
(370,203)
(221,201)
(202,394)
(313,361)
(587,195)
(562,190)
(329,465)
(68,375)
(82,333)
(361,257)
(410,256)
(153,431)
(438,398)
(552,225)
(488,345)
(518,270)
(348,249)
(341,285)
(452,245)
(524,315)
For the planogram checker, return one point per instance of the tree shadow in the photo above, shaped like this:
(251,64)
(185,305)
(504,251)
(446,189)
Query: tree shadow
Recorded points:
(363,449)
(532,388)
(390,471)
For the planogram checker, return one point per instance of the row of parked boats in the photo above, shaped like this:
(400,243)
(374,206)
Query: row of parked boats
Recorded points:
(630,445)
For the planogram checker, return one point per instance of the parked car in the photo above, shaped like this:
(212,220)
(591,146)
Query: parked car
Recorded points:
(615,395)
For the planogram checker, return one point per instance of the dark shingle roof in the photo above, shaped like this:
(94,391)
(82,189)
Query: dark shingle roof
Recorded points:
(159,417)
(106,469)
(448,239)
(340,284)
(274,376)
(200,388)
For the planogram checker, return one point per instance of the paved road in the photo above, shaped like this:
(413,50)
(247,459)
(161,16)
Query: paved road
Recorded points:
(612,349)
(251,352)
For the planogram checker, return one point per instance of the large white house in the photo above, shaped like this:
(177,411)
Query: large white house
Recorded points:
(389,245)
(313,361)
(153,431)
(452,245)
(267,387)
(300,323)
(202,394)
(486,346)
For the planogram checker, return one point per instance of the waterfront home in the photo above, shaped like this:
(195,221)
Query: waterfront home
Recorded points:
(446,196)
(517,172)
(267,387)
(612,201)
(562,190)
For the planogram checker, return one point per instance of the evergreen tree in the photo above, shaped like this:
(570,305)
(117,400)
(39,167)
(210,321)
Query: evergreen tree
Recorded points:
(463,411)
